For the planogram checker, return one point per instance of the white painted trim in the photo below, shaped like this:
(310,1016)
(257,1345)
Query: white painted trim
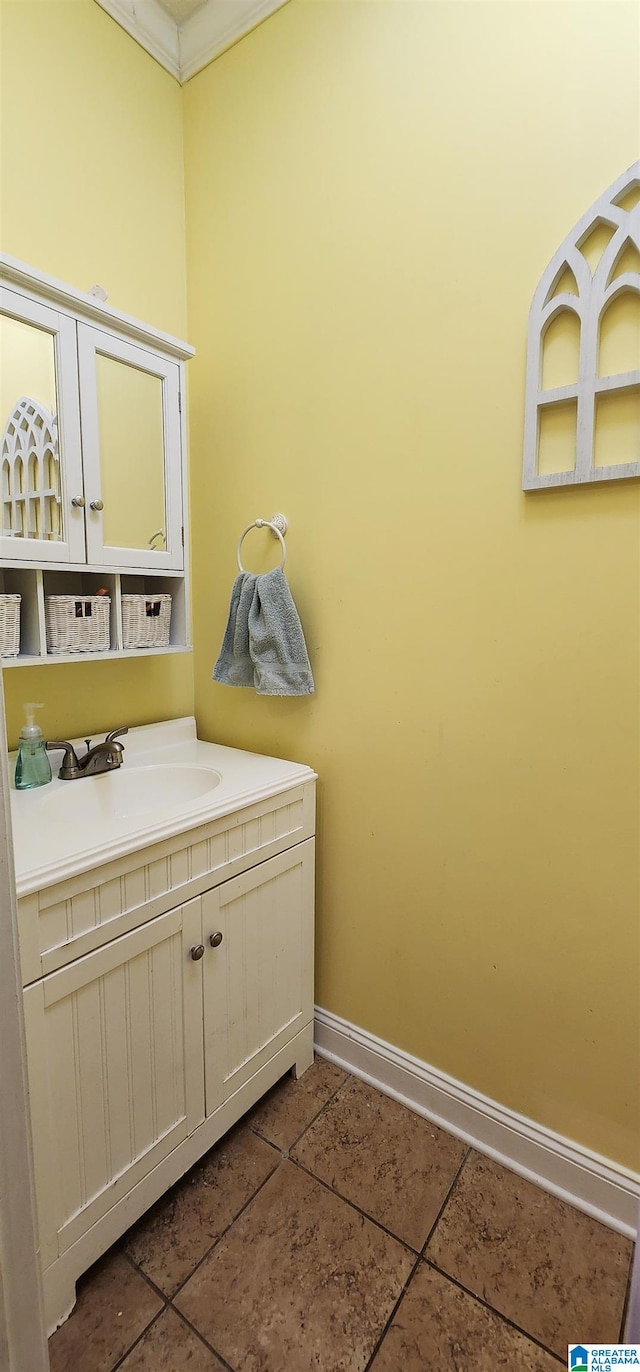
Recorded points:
(216,27)
(183,50)
(152,28)
(592,1183)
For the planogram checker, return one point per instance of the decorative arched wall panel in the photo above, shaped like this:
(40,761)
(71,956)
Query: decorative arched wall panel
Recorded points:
(30,472)
(600,259)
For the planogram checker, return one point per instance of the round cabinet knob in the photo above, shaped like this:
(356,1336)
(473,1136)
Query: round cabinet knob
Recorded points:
(197,952)
(96,505)
(215,940)
(78,501)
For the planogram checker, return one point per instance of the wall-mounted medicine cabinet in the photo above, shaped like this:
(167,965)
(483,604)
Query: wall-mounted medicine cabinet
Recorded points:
(92,461)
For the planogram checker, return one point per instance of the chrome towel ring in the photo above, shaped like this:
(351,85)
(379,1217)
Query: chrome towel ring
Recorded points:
(278,525)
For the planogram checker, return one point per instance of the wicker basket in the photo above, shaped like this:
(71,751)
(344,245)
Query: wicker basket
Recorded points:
(77,624)
(9,625)
(145,621)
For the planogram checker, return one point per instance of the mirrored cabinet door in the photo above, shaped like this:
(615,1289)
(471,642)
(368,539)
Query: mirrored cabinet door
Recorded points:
(42,495)
(129,399)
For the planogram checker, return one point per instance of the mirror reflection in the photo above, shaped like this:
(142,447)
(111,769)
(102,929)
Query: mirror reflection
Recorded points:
(29,454)
(131,455)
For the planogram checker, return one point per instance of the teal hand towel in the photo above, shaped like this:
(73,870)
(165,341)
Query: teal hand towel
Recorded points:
(264,645)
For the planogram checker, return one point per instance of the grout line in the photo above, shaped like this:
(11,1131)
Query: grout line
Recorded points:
(223,1233)
(286,1151)
(444,1204)
(390,1320)
(505,1318)
(364,1214)
(420,1257)
(135,1343)
(416,1264)
(149,1280)
(201,1337)
(627,1296)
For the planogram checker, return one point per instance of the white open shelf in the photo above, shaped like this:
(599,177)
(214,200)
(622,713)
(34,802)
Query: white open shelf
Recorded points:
(34,584)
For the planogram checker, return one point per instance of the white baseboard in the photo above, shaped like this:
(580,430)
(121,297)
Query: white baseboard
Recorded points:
(594,1184)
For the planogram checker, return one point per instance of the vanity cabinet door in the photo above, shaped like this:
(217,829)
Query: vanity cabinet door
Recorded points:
(258,978)
(132,452)
(42,494)
(115,1055)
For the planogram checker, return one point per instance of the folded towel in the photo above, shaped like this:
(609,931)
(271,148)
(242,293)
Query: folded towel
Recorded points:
(264,645)
(234,666)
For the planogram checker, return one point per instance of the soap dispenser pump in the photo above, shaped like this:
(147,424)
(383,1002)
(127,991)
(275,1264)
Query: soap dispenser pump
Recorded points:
(32,763)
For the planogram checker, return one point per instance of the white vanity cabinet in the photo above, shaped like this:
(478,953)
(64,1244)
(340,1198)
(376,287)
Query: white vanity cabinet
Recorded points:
(165,992)
(92,457)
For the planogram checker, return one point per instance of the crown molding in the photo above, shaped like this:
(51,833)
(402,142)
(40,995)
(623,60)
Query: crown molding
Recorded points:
(183,50)
(151,27)
(215,27)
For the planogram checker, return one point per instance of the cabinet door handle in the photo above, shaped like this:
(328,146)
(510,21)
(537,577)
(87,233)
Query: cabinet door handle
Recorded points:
(197,952)
(78,501)
(96,505)
(215,940)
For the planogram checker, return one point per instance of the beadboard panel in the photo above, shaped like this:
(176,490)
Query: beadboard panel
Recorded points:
(116,1042)
(258,987)
(75,917)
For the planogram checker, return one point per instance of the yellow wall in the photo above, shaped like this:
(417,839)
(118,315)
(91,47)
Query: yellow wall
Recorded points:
(373,191)
(92,191)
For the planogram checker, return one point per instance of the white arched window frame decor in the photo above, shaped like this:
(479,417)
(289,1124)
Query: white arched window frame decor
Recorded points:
(596,292)
(30,467)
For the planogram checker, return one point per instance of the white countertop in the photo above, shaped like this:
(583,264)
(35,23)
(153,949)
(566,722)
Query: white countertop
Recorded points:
(65,828)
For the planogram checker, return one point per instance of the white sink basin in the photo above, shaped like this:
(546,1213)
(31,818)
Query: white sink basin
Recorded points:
(132,793)
(170,781)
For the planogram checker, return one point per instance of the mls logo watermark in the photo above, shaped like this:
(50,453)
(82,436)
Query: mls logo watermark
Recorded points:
(592,1357)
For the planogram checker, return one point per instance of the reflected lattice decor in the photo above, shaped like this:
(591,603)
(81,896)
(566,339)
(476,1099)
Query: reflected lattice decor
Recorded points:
(30,473)
(594,273)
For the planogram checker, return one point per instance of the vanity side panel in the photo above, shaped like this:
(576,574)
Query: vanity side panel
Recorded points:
(30,934)
(77,916)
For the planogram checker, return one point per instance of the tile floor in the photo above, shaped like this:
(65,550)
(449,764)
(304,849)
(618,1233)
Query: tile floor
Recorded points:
(334,1231)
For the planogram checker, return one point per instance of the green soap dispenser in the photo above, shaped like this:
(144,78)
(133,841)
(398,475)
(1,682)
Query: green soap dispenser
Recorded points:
(32,763)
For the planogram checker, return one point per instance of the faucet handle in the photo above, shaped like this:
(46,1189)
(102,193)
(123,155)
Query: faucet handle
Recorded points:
(70,767)
(115,733)
(60,743)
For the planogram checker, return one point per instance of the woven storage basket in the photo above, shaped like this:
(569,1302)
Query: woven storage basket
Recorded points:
(9,625)
(77,624)
(145,621)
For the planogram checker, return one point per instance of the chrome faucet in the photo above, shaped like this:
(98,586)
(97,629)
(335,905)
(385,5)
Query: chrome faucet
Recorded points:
(104,757)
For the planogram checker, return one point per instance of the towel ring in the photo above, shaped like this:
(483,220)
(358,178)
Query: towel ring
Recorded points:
(278,526)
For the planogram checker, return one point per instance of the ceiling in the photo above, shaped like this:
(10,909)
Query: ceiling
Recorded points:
(184,35)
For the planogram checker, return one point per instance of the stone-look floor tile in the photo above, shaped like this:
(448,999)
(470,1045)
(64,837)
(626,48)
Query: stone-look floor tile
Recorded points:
(301,1282)
(170,1346)
(115,1304)
(181,1227)
(440,1328)
(387,1160)
(554,1271)
(291,1105)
